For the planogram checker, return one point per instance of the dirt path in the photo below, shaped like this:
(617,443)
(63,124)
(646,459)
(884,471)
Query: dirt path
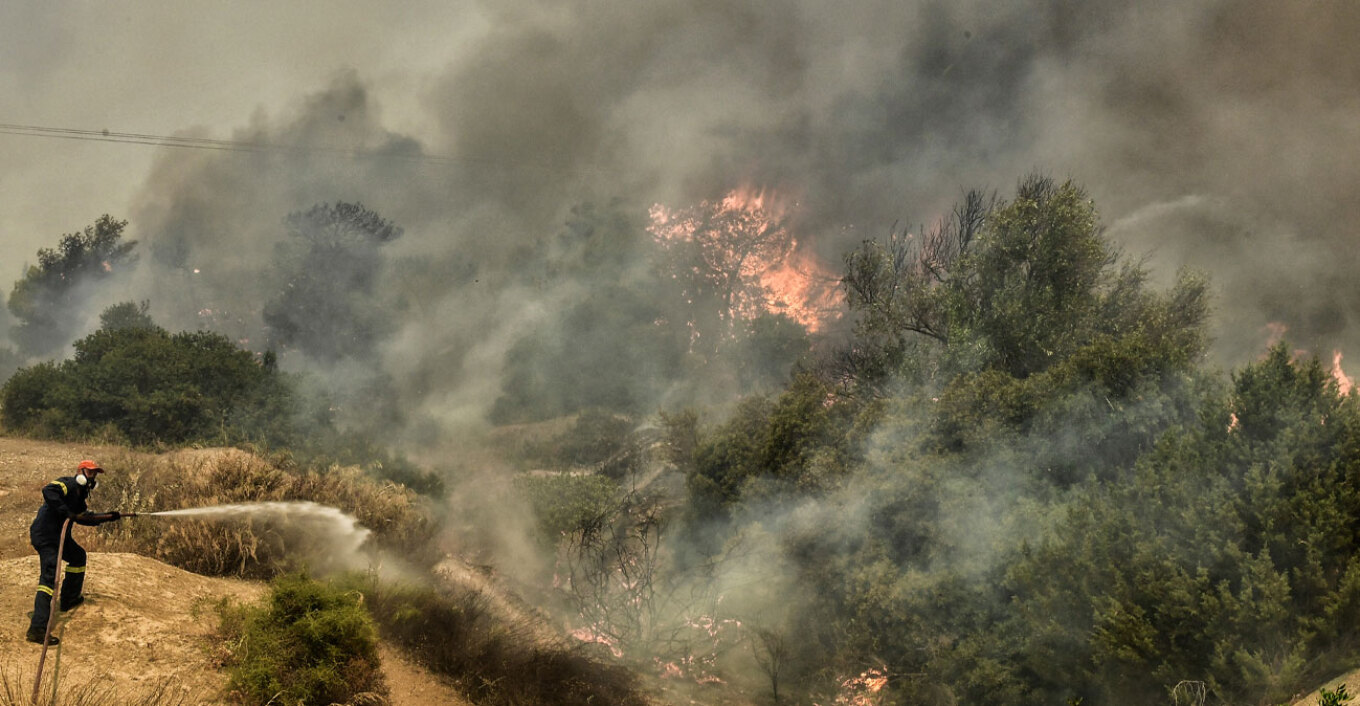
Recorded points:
(412,685)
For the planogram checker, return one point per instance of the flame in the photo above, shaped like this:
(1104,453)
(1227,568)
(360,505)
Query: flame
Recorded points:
(803,290)
(107,266)
(748,252)
(1343,381)
(862,690)
(1275,331)
(589,634)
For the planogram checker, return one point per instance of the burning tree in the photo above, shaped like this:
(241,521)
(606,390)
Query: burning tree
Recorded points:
(734,260)
(609,566)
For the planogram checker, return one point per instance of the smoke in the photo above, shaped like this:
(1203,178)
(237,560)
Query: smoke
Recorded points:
(1211,134)
(1208,133)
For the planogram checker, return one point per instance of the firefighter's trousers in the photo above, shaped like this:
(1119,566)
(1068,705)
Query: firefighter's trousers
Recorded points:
(72,583)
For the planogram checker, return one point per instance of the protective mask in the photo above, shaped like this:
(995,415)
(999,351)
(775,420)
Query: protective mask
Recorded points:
(86,480)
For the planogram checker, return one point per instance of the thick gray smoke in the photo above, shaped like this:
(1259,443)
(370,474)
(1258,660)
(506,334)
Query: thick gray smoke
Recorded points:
(1211,134)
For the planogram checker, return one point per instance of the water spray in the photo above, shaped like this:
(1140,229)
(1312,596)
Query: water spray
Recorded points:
(334,522)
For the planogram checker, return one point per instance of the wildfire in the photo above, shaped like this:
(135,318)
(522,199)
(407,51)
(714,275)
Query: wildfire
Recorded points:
(1343,381)
(587,634)
(862,690)
(743,253)
(1276,330)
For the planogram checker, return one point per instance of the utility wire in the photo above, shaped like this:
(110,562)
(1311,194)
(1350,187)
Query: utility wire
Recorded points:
(205,143)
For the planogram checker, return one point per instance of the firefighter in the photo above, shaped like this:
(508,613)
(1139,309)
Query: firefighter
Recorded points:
(63,499)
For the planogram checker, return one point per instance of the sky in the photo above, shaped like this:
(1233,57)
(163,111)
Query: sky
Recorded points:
(1212,134)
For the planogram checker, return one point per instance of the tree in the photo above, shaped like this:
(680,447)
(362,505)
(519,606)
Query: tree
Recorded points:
(1002,364)
(714,255)
(1229,556)
(328,306)
(48,300)
(1014,287)
(126,315)
(149,386)
(898,289)
(609,344)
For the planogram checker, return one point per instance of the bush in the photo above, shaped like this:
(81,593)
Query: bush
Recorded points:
(1334,698)
(153,388)
(311,644)
(562,503)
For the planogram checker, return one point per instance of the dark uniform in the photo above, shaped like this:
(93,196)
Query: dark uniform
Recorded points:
(63,499)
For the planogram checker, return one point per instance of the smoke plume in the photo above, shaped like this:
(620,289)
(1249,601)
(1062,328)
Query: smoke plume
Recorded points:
(1211,135)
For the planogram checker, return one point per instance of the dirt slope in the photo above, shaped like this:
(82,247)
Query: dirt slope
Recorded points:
(144,622)
(1351,680)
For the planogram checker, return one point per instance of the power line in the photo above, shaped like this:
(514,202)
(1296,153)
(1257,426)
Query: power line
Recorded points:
(205,143)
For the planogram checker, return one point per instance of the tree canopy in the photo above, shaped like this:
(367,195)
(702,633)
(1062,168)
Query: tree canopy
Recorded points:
(135,381)
(328,304)
(49,299)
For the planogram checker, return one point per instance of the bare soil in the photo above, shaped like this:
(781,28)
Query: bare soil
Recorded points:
(1351,680)
(144,623)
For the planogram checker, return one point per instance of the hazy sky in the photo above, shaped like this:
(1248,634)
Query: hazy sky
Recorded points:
(164,67)
(1212,134)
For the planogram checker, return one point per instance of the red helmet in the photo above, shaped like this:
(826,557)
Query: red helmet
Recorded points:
(87,465)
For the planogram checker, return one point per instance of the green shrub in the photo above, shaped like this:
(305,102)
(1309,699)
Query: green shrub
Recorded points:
(312,643)
(1334,698)
(562,503)
(153,387)
(597,439)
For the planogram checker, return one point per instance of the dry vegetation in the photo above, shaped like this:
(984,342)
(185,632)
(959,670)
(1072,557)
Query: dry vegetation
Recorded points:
(16,689)
(454,632)
(246,547)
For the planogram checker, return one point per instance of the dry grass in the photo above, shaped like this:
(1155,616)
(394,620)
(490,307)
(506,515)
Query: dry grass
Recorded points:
(16,689)
(248,548)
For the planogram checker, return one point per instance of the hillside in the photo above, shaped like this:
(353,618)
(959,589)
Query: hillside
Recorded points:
(144,623)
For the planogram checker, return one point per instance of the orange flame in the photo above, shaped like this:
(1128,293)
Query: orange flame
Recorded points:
(587,634)
(1343,381)
(1275,331)
(862,690)
(742,239)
